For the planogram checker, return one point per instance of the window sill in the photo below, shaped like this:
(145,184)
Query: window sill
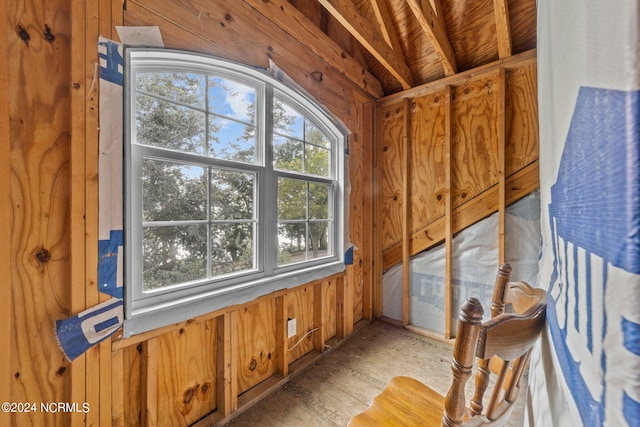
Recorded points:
(147,318)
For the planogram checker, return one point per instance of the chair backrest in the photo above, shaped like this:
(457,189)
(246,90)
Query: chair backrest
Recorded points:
(501,346)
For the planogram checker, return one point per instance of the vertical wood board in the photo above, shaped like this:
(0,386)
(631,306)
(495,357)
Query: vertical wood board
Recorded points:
(282,327)
(77,170)
(344,311)
(256,357)
(116,411)
(390,190)
(318,337)
(521,118)
(39,127)
(329,308)
(149,383)
(501,130)
(368,242)
(359,178)
(132,386)
(187,373)
(474,139)
(428,189)
(406,208)
(6,315)
(300,307)
(448,222)
(226,381)
(377,218)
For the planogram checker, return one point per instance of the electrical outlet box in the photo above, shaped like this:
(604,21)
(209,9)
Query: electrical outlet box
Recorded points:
(291,328)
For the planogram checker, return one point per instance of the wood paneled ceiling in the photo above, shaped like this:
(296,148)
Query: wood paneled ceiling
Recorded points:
(407,43)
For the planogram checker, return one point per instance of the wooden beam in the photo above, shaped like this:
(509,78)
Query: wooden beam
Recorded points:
(99,21)
(118,416)
(502,163)
(481,206)
(381,10)
(433,27)
(503,27)
(448,233)
(318,316)
(226,369)
(93,385)
(345,12)
(149,392)
(290,19)
(6,310)
(368,219)
(282,353)
(344,308)
(110,15)
(105,367)
(79,77)
(406,209)
(378,244)
(511,63)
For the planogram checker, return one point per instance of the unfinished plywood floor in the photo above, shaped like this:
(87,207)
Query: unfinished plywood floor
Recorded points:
(344,382)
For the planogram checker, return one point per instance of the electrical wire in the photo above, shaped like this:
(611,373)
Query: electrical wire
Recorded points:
(303,337)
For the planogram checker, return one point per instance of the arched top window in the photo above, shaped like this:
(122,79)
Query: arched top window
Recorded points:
(234,187)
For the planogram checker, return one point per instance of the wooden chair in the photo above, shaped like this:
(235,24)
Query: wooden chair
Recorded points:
(501,347)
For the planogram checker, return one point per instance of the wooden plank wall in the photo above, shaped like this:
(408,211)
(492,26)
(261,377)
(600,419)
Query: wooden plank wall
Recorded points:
(473,149)
(35,230)
(176,375)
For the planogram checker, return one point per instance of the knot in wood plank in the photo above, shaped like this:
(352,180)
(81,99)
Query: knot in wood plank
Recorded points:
(43,256)
(48,35)
(23,34)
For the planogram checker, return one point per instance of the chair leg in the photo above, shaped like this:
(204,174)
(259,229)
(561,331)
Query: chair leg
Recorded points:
(462,363)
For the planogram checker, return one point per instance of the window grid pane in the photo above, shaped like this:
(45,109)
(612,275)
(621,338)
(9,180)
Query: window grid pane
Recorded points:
(299,145)
(168,125)
(185,88)
(173,191)
(174,255)
(232,195)
(304,224)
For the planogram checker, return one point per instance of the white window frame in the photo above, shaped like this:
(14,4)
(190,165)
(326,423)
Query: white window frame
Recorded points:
(153,309)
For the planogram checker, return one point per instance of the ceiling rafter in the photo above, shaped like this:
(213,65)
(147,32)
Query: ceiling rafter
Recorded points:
(503,28)
(287,16)
(433,26)
(381,10)
(345,12)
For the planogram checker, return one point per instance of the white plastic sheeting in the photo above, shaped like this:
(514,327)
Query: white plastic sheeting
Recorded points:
(586,370)
(475,264)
